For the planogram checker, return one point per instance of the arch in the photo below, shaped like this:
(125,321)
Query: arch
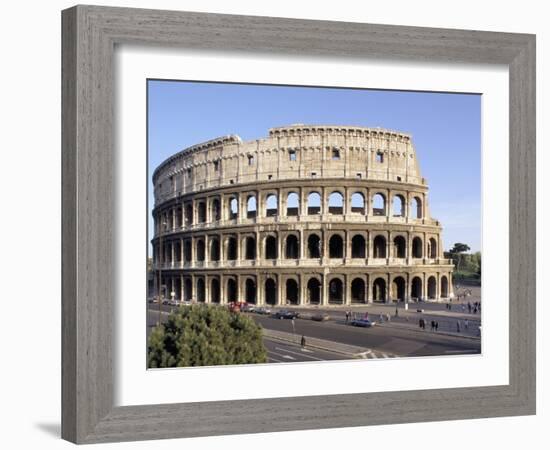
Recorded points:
(336,246)
(313,203)
(187,289)
(416,288)
(250,291)
(188,214)
(398,206)
(399,289)
(201,212)
(379,290)
(292,247)
(231,249)
(292,204)
(358,246)
(336,291)
(358,290)
(292,292)
(379,204)
(379,247)
(417,247)
(215,210)
(233,208)
(270,247)
(187,250)
(214,249)
(432,248)
(270,291)
(358,203)
(432,288)
(251,207)
(399,247)
(313,246)
(250,248)
(231,290)
(271,205)
(200,250)
(314,291)
(335,203)
(200,290)
(416,208)
(444,287)
(215,291)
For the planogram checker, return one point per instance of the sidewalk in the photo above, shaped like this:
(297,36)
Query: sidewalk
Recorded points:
(336,347)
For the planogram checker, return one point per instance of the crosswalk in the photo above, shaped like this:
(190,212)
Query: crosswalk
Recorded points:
(375,354)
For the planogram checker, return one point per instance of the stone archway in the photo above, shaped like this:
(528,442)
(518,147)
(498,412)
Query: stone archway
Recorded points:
(314,291)
(292,292)
(379,290)
(270,291)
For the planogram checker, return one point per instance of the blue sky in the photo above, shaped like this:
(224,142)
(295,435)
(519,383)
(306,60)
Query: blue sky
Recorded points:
(445,128)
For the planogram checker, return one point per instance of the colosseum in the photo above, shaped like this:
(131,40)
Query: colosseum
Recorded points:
(310,215)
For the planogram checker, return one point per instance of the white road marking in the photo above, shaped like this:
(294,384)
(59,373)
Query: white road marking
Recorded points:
(299,354)
(274,359)
(283,356)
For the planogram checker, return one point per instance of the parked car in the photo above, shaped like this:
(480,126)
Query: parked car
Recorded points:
(320,317)
(286,314)
(364,323)
(262,310)
(247,307)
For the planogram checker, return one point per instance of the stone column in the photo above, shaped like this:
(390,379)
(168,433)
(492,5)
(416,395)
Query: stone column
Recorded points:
(301,290)
(223,300)
(182,293)
(181,252)
(206,250)
(347,289)
(172,254)
(259,255)
(324,295)
(206,289)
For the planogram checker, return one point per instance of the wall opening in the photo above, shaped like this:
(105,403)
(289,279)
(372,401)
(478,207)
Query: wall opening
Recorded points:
(336,291)
(432,288)
(202,212)
(270,247)
(216,211)
(292,292)
(292,247)
(231,291)
(358,247)
(231,249)
(250,291)
(233,208)
(336,203)
(187,289)
(379,205)
(200,250)
(358,291)
(432,248)
(416,208)
(379,290)
(314,291)
(444,287)
(200,290)
(271,205)
(292,204)
(214,249)
(215,291)
(250,248)
(399,289)
(336,246)
(416,288)
(417,247)
(398,206)
(313,203)
(270,291)
(399,247)
(358,203)
(379,247)
(251,207)
(313,246)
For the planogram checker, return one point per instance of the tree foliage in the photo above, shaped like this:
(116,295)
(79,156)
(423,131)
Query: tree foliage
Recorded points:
(202,335)
(459,247)
(467,265)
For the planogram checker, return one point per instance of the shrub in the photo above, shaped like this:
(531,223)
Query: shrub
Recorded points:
(202,335)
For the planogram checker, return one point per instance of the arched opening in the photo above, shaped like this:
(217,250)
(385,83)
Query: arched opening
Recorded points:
(200,250)
(271,247)
(314,291)
(231,292)
(292,292)
(200,290)
(313,246)
(270,291)
(233,208)
(432,249)
(399,247)
(399,289)
(432,288)
(292,204)
(292,247)
(202,212)
(358,246)
(187,289)
(358,291)
(178,217)
(216,211)
(231,249)
(214,249)
(398,206)
(215,290)
(417,247)
(271,205)
(251,207)
(416,208)
(250,248)
(379,205)
(187,251)
(313,203)
(416,288)
(188,214)
(336,246)
(379,290)
(444,287)
(358,203)
(250,291)
(379,247)
(336,291)
(336,203)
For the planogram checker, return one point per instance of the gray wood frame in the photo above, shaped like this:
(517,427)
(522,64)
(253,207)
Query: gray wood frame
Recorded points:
(89,36)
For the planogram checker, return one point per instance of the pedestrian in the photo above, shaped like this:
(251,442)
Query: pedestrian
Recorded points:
(381,318)
(466,324)
(432,325)
(457,326)
(475,309)
(347,316)
(396,312)
(419,323)
(469,308)
(303,341)
(436,325)
(388,317)
(463,309)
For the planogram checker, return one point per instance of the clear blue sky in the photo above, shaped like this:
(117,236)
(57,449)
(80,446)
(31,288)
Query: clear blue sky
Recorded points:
(445,128)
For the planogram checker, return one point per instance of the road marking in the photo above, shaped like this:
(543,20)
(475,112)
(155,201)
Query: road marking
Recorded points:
(299,354)
(271,359)
(284,356)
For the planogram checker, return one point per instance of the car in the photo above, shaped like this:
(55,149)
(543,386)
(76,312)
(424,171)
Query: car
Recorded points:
(153,300)
(286,314)
(262,310)
(320,317)
(173,303)
(364,323)
(246,307)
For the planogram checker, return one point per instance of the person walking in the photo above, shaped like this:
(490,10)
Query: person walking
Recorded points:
(396,312)
(420,323)
(432,328)
(436,325)
(469,307)
(347,316)
(458,326)
(303,341)
(388,317)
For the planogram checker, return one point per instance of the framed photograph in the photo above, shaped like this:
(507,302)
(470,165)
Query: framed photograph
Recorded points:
(265,229)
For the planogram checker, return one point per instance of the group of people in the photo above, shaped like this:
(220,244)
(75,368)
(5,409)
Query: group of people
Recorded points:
(434,325)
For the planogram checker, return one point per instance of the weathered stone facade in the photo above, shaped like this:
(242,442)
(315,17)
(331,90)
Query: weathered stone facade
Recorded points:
(310,215)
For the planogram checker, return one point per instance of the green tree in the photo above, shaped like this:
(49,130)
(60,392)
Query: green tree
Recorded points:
(459,248)
(202,335)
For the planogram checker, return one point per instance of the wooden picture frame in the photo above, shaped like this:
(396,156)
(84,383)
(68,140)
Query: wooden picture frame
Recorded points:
(90,34)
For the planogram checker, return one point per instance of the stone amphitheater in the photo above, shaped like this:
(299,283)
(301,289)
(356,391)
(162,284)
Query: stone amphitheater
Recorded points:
(310,215)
